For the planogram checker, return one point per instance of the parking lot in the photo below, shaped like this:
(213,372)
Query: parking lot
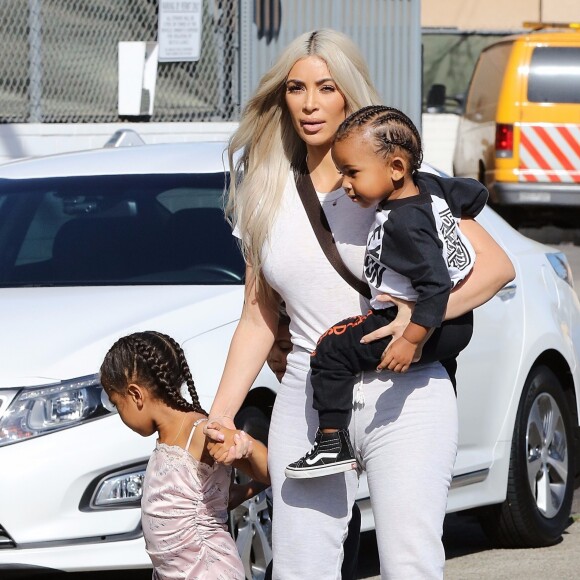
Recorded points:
(469,554)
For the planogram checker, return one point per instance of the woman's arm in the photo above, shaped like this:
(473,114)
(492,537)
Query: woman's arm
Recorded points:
(491,272)
(251,343)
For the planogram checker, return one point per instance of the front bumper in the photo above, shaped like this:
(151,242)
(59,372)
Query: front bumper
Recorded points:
(76,557)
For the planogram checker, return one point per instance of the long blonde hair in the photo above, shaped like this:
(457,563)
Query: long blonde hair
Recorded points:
(268,142)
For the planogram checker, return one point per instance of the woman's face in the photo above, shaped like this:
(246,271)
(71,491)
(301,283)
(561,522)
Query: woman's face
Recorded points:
(315,104)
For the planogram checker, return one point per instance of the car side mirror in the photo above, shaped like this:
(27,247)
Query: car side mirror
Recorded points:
(436,98)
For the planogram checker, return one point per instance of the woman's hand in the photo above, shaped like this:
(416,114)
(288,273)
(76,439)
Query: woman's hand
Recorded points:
(397,327)
(224,446)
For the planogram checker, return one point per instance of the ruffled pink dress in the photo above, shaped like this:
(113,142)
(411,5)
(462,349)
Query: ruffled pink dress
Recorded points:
(184,514)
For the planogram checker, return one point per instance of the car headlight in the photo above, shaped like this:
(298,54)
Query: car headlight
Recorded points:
(559,262)
(120,489)
(40,410)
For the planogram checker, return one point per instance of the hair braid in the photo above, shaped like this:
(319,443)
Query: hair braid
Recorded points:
(391,129)
(155,359)
(186,375)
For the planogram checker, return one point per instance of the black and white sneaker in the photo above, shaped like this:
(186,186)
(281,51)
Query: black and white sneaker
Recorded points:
(331,453)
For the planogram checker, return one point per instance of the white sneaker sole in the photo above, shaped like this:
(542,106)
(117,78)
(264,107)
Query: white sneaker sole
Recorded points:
(321,471)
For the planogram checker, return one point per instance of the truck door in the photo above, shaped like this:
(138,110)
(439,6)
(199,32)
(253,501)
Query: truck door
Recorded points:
(550,122)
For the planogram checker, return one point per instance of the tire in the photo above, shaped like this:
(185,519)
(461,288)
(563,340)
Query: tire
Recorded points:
(541,473)
(251,523)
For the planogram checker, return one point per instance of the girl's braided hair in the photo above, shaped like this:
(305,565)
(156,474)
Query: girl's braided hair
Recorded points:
(155,360)
(392,130)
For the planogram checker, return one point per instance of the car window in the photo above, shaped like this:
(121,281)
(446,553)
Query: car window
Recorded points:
(111,230)
(554,75)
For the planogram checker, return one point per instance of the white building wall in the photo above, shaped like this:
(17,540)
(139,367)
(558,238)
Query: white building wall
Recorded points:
(38,139)
(34,140)
(439,135)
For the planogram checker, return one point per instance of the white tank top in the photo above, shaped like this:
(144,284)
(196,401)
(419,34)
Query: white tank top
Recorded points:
(295,266)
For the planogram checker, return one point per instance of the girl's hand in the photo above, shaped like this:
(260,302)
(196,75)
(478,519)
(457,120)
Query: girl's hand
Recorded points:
(397,327)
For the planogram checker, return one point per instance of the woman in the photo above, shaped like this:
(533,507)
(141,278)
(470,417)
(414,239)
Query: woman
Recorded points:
(290,122)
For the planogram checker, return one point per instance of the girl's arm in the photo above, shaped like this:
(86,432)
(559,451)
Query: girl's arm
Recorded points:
(251,343)
(241,492)
(256,464)
(492,270)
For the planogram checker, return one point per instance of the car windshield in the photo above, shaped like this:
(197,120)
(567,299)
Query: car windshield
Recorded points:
(116,230)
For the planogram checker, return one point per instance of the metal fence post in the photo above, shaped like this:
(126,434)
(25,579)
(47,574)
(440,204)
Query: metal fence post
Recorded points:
(35,60)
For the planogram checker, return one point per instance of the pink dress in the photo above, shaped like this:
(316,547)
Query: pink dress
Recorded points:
(184,512)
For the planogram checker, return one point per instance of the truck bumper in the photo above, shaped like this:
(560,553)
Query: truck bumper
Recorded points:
(553,194)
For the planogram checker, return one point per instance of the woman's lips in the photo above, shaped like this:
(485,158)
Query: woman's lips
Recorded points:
(312,126)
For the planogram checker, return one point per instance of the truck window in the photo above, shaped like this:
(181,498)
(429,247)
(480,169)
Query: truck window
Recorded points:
(554,75)
(486,82)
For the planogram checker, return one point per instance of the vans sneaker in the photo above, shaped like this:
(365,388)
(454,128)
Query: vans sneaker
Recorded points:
(331,453)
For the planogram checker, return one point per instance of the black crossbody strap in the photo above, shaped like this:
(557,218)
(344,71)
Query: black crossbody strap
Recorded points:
(323,233)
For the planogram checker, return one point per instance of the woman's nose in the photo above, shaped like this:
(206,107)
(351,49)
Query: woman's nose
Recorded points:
(310,101)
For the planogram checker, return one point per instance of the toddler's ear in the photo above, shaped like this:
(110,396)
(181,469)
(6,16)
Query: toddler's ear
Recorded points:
(398,168)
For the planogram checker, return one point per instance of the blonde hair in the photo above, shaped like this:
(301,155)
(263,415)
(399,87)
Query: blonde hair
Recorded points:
(268,142)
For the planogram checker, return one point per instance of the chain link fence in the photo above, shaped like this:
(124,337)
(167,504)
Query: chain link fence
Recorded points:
(59,62)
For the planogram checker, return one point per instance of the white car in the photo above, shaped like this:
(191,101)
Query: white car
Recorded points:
(98,244)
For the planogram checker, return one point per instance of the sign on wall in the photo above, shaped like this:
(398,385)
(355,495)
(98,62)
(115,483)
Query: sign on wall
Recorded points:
(179,30)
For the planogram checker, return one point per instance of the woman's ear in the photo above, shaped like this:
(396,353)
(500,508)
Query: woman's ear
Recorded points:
(137,394)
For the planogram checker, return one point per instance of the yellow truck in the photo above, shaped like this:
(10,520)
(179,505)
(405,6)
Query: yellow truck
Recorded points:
(519,133)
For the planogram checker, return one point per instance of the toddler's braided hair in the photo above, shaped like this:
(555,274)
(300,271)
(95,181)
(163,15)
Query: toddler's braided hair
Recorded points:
(154,360)
(392,131)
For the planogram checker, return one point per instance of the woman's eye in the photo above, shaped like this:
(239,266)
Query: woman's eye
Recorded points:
(292,88)
(328,88)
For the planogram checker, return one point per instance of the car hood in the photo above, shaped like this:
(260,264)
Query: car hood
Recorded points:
(51,334)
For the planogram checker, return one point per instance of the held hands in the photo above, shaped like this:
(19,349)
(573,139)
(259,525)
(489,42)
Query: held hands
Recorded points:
(225,443)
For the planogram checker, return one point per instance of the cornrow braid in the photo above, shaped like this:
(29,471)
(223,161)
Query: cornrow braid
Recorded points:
(156,360)
(186,374)
(391,129)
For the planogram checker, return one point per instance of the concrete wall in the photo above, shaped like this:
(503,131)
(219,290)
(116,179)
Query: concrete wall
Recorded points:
(439,133)
(33,140)
(496,14)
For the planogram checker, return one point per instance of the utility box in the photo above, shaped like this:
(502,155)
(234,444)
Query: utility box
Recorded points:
(137,77)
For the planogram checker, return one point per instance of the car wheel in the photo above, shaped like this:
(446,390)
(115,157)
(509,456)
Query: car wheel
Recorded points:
(541,474)
(251,523)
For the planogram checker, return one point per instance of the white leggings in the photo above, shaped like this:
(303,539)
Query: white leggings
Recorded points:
(405,437)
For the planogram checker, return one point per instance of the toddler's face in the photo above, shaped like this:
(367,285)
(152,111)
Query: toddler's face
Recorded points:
(366,176)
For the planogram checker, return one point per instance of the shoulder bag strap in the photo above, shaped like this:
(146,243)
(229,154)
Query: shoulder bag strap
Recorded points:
(323,233)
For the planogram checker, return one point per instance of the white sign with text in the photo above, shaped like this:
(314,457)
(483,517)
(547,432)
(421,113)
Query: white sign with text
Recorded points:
(179,30)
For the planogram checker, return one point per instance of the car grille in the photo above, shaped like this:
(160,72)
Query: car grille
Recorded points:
(5,540)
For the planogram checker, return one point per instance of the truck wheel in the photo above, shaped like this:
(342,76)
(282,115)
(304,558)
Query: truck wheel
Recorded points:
(541,474)
(250,523)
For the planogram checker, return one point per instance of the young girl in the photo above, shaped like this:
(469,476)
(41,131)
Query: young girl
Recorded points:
(185,493)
